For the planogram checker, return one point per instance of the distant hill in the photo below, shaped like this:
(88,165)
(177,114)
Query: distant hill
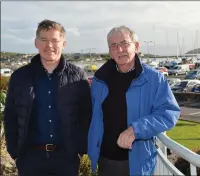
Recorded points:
(194,51)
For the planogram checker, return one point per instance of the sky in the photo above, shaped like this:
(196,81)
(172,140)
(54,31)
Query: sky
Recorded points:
(87,23)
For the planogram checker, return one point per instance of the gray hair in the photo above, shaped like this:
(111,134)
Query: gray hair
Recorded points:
(123,29)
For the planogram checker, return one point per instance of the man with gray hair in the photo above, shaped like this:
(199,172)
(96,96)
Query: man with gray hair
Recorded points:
(48,109)
(132,103)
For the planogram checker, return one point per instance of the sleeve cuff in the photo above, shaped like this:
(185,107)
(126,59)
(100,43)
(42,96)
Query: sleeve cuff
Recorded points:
(137,130)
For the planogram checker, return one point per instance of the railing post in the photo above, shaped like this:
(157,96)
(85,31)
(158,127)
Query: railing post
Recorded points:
(162,147)
(193,170)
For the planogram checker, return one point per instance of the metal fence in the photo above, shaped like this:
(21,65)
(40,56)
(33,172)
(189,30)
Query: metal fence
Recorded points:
(164,166)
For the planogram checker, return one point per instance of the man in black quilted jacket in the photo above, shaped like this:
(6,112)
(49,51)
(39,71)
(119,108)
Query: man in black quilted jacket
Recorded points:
(48,109)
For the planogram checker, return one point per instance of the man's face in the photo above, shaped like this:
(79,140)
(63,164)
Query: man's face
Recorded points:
(122,49)
(50,45)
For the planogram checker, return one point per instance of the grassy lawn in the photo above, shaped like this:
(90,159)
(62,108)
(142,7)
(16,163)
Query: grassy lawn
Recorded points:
(186,133)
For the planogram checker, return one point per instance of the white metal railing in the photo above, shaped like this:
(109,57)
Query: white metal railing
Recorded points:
(164,166)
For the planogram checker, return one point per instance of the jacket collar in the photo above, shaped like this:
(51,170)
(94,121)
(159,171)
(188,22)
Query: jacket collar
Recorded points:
(105,72)
(37,66)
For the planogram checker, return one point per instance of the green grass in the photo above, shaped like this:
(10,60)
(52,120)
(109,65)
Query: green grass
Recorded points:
(187,134)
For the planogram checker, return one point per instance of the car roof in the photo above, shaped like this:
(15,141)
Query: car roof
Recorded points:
(173,79)
(189,80)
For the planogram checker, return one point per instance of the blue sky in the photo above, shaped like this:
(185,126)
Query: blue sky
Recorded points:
(87,24)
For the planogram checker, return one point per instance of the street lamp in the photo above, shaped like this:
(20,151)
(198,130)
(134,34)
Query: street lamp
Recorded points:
(90,49)
(147,44)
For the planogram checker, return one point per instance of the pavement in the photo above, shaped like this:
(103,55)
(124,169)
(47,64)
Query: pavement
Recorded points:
(190,114)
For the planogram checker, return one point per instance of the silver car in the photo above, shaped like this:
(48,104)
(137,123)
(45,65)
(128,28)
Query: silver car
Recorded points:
(173,81)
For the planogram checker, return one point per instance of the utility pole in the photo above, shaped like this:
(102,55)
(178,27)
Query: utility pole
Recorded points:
(154,34)
(90,49)
(81,55)
(183,47)
(197,36)
(167,43)
(177,47)
(147,43)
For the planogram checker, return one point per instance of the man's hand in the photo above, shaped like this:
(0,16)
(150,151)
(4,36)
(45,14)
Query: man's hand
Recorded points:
(126,138)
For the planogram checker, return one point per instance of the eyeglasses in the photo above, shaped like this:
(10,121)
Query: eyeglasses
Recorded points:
(124,44)
(53,42)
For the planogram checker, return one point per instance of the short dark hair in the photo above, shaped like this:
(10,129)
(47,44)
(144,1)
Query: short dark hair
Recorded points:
(48,24)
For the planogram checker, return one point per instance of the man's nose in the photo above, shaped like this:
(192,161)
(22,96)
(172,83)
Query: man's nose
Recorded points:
(119,48)
(49,44)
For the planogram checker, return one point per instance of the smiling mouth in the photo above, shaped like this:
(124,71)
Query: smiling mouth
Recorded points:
(50,52)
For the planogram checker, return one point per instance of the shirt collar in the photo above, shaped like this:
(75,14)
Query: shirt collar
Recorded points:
(129,70)
(38,67)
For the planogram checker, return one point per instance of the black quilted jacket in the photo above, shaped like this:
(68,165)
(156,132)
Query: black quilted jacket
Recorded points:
(73,100)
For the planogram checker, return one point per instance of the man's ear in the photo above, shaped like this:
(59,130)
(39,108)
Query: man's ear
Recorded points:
(36,43)
(64,44)
(137,46)
(110,54)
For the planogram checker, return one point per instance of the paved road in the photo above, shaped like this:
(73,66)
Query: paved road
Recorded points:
(90,74)
(191,114)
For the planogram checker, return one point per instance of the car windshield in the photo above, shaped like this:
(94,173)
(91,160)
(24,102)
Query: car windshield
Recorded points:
(197,86)
(170,80)
(192,72)
(173,80)
(175,67)
(182,83)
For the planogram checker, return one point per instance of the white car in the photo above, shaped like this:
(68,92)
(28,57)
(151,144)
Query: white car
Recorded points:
(185,85)
(5,72)
(163,70)
(173,81)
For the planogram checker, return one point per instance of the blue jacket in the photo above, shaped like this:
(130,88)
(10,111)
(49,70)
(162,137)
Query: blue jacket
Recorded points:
(151,109)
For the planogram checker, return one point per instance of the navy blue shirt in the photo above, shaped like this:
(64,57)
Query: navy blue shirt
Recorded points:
(46,124)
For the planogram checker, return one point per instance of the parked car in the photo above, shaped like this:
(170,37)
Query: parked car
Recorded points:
(196,88)
(173,81)
(179,69)
(185,85)
(163,70)
(5,72)
(193,74)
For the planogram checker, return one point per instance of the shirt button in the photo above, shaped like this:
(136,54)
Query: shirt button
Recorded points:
(49,92)
(50,106)
(51,135)
(49,120)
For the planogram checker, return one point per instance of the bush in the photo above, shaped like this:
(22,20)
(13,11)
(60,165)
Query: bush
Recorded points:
(184,166)
(4,83)
(2,104)
(85,167)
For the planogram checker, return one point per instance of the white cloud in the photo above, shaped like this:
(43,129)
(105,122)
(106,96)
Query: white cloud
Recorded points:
(87,23)
(74,31)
